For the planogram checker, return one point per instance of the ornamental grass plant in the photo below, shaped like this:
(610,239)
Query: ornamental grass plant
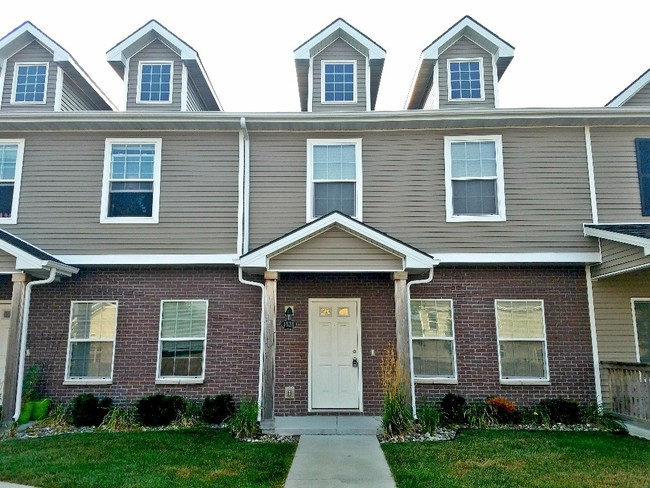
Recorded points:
(396,417)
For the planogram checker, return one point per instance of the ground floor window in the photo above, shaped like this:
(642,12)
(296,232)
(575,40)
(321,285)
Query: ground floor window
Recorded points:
(521,333)
(432,333)
(641,311)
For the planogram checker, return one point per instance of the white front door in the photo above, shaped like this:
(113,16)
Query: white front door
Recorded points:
(334,354)
(5,315)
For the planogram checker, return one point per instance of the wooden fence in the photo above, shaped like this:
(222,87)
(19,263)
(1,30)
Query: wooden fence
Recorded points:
(629,389)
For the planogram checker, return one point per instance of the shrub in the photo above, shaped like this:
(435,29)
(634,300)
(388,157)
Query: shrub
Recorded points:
(593,414)
(561,411)
(58,416)
(88,410)
(215,410)
(453,408)
(534,416)
(243,423)
(429,417)
(504,411)
(120,419)
(396,417)
(479,415)
(190,416)
(159,410)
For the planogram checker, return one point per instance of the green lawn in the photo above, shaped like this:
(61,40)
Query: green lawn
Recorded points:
(504,458)
(183,458)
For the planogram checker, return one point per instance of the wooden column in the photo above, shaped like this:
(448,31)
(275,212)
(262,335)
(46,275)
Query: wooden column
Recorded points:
(402,329)
(20,281)
(268,357)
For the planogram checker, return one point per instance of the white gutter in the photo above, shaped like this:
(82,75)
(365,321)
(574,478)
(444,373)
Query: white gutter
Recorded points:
(23,338)
(594,337)
(259,387)
(408,305)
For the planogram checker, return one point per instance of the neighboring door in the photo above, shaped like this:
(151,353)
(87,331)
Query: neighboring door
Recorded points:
(5,315)
(335,354)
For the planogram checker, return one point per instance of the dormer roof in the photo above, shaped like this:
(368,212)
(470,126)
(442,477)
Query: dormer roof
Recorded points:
(26,33)
(635,87)
(119,55)
(467,27)
(355,38)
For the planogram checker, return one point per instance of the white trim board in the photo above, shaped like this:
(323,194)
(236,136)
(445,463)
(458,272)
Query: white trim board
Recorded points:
(146,259)
(515,257)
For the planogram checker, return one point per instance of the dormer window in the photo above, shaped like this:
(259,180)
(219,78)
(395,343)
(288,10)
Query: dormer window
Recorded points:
(30,81)
(155,82)
(339,82)
(466,79)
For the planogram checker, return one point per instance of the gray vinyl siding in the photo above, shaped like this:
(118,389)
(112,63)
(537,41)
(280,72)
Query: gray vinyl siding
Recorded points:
(546,190)
(194,102)
(464,48)
(155,51)
(640,98)
(72,97)
(7,262)
(616,173)
(62,184)
(338,250)
(32,53)
(613,314)
(618,257)
(339,50)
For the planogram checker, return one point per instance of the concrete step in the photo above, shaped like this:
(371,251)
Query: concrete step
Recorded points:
(323,425)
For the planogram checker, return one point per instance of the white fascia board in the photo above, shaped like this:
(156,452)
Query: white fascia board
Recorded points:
(146,259)
(374,50)
(518,258)
(618,237)
(25,34)
(630,91)
(24,260)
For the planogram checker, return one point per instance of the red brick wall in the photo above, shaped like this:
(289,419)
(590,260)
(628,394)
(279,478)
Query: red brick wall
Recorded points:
(232,354)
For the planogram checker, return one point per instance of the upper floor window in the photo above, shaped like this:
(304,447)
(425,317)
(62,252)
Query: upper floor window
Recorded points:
(30,83)
(641,313)
(465,79)
(338,83)
(521,333)
(131,187)
(155,82)
(11,163)
(643,165)
(474,179)
(432,332)
(333,177)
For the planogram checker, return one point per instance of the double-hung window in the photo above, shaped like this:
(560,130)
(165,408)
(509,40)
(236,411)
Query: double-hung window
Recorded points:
(30,83)
(521,333)
(11,163)
(183,328)
(474,179)
(432,334)
(155,82)
(338,82)
(91,341)
(465,79)
(131,187)
(333,177)
(643,166)
(641,314)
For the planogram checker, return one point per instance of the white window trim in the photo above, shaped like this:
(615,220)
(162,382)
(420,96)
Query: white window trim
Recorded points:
(171,83)
(482,79)
(449,380)
(353,62)
(75,380)
(180,380)
(358,181)
(15,82)
(636,330)
(155,206)
(500,216)
(13,219)
(522,381)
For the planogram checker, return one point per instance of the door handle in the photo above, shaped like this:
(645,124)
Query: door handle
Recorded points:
(355,363)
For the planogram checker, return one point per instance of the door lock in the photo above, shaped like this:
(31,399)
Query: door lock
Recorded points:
(355,363)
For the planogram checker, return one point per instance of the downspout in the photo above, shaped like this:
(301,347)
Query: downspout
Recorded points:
(247,183)
(594,336)
(259,387)
(242,204)
(23,338)
(408,304)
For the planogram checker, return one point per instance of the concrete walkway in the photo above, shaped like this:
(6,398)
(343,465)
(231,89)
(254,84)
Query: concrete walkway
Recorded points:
(331,461)
(5,484)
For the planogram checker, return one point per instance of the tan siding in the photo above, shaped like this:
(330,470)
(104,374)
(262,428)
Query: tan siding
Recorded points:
(340,50)
(640,98)
(336,250)
(619,257)
(7,262)
(546,188)
(155,51)
(32,53)
(62,184)
(72,98)
(615,169)
(464,48)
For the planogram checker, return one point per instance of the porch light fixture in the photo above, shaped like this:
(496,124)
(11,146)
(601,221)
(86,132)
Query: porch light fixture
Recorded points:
(288,323)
